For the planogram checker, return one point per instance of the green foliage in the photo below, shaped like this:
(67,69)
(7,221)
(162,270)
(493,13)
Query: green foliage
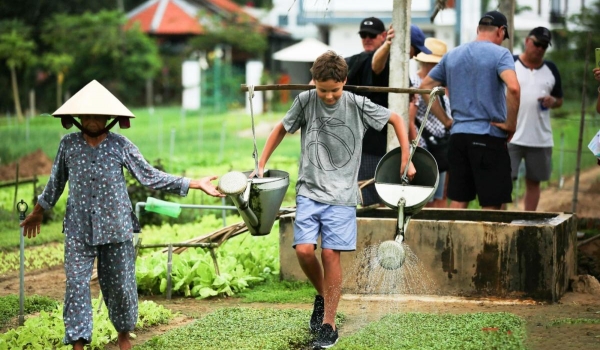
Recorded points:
(240,328)
(243,261)
(10,235)
(35,258)
(16,46)
(120,59)
(9,306)
(568,320)
(440,331)
(46,331)
(569,52)
(276,291)
(238,31)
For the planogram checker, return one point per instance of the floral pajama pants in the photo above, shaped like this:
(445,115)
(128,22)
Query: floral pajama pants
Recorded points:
(116,275)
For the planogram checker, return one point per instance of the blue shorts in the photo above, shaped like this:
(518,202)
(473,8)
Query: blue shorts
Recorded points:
(335,223)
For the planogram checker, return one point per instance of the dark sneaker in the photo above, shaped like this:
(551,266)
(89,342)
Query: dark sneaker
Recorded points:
(316,320)
(326,338)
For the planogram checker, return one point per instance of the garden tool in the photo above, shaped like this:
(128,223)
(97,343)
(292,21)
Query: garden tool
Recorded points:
(22,209)
(408,198)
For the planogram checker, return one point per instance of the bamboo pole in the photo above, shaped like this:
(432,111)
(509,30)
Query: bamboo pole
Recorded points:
(352,88)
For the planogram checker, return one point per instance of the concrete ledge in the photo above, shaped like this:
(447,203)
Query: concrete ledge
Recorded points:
(472,253)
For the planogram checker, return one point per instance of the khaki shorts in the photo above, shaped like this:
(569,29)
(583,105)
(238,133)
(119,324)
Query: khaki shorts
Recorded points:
(538,162)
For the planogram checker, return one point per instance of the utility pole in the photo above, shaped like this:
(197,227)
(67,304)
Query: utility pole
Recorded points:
(507,7)
(399,58)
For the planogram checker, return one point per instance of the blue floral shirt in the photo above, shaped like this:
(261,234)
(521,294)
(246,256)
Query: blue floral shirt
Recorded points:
(98,206)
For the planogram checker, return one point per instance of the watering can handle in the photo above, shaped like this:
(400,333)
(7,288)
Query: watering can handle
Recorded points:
(255,153)
(432,97)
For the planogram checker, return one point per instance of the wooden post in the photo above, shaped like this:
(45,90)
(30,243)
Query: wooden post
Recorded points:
(169,268)
(16,189)
(399,58)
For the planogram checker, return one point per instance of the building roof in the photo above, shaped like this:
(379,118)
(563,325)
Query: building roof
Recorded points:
(180,17)
(166,17)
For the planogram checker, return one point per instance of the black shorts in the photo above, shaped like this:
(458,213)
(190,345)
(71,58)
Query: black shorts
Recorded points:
(479,167)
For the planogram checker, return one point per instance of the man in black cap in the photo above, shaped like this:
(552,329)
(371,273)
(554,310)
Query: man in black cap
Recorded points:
(362,71)
(542,91)
(485,101)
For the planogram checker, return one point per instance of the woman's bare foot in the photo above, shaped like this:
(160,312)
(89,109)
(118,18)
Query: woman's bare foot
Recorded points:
(78,345)
(123,341)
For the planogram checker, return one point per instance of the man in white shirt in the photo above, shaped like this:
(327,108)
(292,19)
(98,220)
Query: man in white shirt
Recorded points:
(541,91)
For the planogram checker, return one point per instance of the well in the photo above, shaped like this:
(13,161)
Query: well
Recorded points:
(478,253)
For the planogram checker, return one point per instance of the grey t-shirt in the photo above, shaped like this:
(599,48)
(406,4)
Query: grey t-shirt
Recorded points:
(332,144)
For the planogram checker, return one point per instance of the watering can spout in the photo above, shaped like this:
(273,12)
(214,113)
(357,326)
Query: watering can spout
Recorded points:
(257,199)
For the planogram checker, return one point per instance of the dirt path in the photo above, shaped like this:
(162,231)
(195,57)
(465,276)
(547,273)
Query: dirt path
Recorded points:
(553,199)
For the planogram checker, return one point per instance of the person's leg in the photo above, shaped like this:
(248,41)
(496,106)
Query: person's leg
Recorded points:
(332,288)
(310,265)
(306,233)
(538,168)
(116,275)
(77,309)
(461,185)
(438,197)
(491,171)
(532,194)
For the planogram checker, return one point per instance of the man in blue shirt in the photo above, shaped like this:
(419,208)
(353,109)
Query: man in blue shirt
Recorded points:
(485,101)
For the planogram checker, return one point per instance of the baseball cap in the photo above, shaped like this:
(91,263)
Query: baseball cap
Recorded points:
(371,25)
(496,19)
(541,34)
(417,39)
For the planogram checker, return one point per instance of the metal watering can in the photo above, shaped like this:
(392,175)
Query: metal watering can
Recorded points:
(408,198)
(257,199)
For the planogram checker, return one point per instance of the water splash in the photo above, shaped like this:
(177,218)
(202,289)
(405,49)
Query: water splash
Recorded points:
(371,278)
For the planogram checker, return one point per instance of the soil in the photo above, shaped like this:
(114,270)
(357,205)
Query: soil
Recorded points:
(33,164)
(586,304)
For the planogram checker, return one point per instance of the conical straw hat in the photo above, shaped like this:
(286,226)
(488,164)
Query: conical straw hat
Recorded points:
(94,99)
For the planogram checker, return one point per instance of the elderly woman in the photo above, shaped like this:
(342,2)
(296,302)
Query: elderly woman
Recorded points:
(99,220)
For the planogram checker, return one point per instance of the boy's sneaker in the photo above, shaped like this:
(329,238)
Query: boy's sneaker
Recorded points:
(326,338)
(316,320)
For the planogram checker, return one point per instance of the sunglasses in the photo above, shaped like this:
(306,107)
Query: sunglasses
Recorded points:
(367,35)
(539,44)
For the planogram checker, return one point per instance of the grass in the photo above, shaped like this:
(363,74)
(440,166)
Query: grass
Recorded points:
(440,331)
(279,292)
(240,328)
(9,306)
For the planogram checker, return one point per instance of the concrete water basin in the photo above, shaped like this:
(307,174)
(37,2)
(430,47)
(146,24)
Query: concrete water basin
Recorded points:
(478,253)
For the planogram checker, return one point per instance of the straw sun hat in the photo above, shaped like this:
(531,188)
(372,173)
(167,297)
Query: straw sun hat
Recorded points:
(93,99)
(438,49)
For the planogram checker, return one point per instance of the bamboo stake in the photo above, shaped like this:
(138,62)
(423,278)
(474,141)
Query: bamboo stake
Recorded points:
(353,88)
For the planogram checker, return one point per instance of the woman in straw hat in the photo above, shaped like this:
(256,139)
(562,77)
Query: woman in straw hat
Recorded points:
(99,221)
(433,128)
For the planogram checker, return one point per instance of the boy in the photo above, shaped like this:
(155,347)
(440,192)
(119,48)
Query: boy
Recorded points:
(333,123)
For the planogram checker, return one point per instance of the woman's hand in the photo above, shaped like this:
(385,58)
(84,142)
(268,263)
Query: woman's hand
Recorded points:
(33,222)
(206,186)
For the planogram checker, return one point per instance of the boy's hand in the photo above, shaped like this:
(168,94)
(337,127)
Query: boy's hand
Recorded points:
(206,186)
(261,171)
(33,222)
(411,171)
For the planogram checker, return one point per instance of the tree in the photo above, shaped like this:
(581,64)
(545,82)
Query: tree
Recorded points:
(104,51)
(569,50)
(58,64)
(17,49)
